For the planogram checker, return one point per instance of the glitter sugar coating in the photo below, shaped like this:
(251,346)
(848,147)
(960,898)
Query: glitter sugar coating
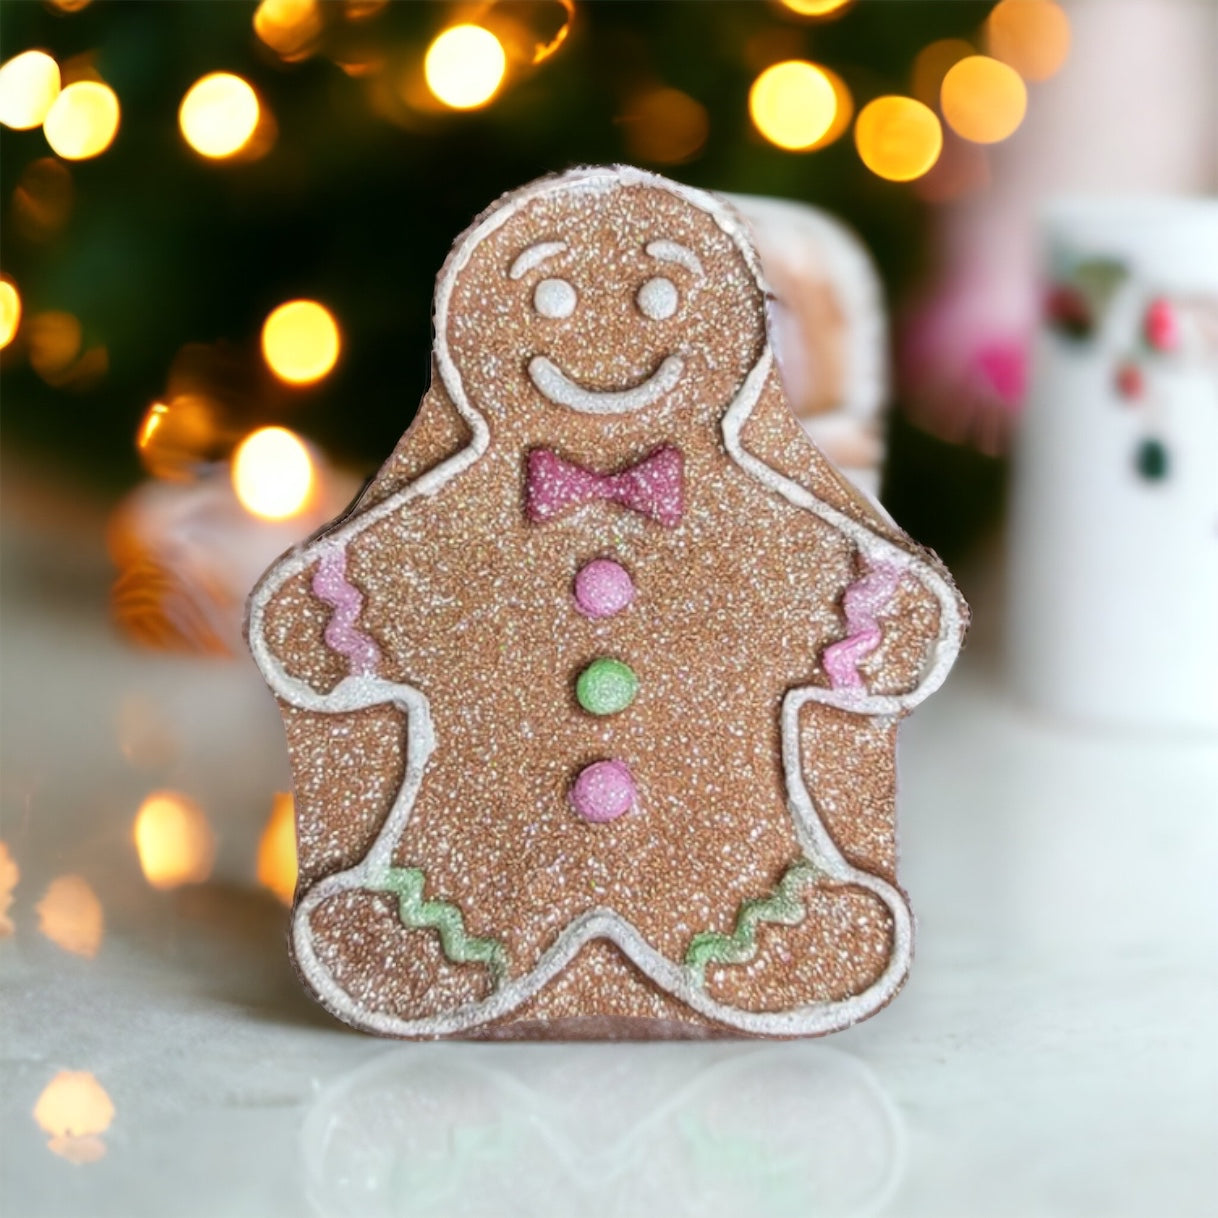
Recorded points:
(460,757)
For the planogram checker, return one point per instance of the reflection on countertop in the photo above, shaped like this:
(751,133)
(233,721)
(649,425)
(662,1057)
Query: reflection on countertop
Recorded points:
(615,1129)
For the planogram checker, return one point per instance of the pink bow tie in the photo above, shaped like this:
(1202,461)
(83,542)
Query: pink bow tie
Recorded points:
(652,487)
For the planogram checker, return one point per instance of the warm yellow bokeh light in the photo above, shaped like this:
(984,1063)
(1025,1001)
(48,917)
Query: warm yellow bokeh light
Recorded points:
(814,8)
(277,849)
(29,84)
(71,916)
(793,104)
(219,114)
(10,874)
(1033,36)
(983,100)
(931,65)
(464,66)
(273,473)
(289,27)
(174,840)
(665,126)
(300,341)
(74,1110)
(10,312)
(83,120)
(898,138)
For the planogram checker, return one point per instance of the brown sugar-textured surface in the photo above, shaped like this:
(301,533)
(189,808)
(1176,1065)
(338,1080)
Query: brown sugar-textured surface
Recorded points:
(471,603)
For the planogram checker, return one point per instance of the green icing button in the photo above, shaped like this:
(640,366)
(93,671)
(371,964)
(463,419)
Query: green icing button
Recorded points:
(606,687)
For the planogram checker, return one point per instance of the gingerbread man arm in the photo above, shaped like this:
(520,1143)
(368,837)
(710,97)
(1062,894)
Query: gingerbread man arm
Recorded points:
(889,557)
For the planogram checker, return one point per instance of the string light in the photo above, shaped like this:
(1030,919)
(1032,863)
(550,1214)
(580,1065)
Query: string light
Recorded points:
(219,115)
(174,841)
(793,104)
(300,341)
(75,1110)
(10,311)
(29,85)
(277,849)
(898,138)
(1033,36)
(464,66)
(176,437)
(272,473)
(983,100)
(83,120)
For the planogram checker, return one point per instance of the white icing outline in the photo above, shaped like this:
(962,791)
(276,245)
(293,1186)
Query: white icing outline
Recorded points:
(534,256)
(555,386)
(674,251)
(358,692)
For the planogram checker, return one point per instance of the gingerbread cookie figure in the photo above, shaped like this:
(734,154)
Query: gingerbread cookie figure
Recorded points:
(591,698)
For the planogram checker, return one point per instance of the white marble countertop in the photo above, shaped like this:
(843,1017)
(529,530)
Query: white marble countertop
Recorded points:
(1053,1054)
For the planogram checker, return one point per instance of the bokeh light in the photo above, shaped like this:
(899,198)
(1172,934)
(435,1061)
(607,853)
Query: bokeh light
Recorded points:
(10,874)
(176,437)
(300,341)
(898,138)
(815,8)
(10,312)
(219,115)
(793,104)
(74,1110)
(843,110)
(290,28)
(273,473)
(931,65)
(70,915)
(174,840)
(43,199)
(29,85)
(83,120)
(983,100)
(464,66)
(1033,36)
(53,340)
(277,849)
(665,127)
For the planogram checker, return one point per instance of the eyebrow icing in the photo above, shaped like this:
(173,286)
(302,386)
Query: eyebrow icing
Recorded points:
(671,251)
(535,255)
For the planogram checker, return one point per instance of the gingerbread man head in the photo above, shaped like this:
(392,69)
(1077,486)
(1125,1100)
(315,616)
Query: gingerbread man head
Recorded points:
(551,315)
(592,698)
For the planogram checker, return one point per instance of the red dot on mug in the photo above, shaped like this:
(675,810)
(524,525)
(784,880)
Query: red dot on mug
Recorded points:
(603,588)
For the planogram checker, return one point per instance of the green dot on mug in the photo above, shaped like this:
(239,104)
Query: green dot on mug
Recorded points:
(606,686)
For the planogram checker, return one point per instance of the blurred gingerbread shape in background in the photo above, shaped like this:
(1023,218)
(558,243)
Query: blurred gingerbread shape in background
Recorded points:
(591,698)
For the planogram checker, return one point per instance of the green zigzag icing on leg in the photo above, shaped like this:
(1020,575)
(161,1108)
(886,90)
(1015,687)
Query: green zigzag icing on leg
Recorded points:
(783,906)
(406,883)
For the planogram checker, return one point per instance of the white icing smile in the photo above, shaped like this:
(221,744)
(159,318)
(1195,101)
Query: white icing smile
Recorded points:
(554,384)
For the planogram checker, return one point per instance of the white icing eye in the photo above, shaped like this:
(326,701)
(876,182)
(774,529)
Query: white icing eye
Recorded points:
(554,298)
(658,298)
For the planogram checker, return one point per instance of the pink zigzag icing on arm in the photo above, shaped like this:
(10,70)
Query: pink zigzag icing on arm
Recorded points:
(330,584)
(864,600)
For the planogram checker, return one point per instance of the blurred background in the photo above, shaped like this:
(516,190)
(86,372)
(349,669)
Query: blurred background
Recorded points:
(221,227)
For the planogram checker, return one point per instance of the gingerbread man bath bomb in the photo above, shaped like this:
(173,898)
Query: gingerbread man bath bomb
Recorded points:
(592,696)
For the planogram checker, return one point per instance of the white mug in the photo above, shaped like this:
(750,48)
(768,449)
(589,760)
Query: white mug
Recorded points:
(1113,576)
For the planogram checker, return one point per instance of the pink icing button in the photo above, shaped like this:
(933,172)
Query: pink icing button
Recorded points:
(603,588)
(603,791)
